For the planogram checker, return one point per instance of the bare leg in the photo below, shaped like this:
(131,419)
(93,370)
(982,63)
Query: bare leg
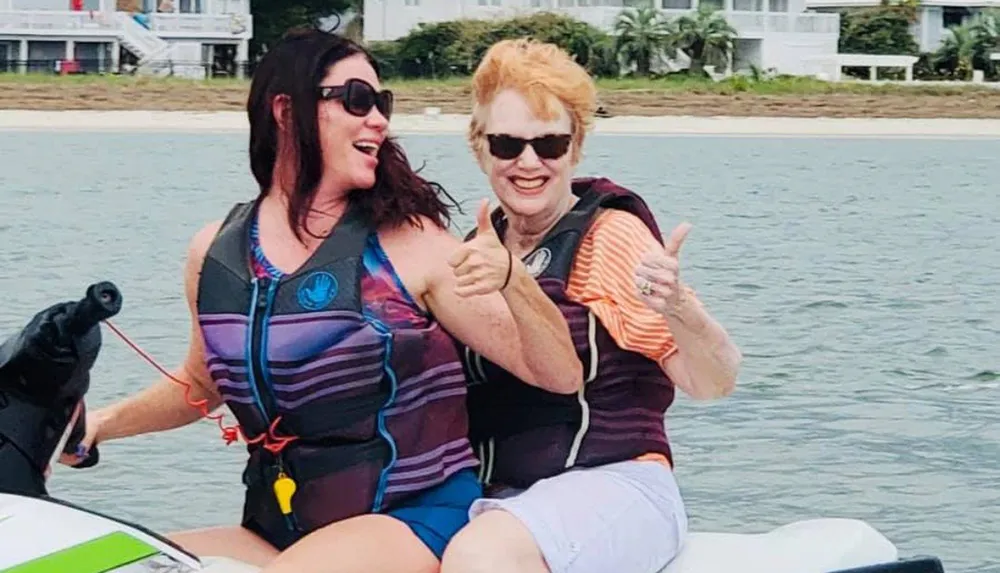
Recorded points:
(363,544)
(229,541)
(494,542)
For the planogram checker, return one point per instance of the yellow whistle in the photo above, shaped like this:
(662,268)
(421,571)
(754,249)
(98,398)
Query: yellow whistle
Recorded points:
(284,489)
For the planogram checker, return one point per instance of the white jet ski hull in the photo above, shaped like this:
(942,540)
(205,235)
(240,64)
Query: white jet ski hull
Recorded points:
(36,532)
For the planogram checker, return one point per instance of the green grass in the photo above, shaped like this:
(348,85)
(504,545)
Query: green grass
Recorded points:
(674,85)
(89,79)
(785,85)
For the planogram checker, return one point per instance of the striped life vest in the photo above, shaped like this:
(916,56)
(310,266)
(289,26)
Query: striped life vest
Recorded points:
(376,400)
(523,433)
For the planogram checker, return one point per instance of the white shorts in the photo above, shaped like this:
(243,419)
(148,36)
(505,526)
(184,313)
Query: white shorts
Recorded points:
(626,517)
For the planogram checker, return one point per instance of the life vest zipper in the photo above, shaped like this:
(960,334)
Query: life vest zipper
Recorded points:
(383,430)
(263,293)
(257,372)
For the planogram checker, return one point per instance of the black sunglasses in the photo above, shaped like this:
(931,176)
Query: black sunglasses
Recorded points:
(359,97)
(551,146)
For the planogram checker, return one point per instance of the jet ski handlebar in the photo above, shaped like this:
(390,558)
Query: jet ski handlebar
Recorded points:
(44,378)
(101,301)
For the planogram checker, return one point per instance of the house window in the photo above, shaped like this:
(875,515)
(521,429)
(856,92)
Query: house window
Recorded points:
(748,5)
(412,2)
(677,4)
(190,6)
(8,61)
(713,4)
(779,5)
(954,16)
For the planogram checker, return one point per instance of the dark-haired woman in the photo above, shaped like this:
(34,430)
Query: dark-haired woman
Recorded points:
(323,316)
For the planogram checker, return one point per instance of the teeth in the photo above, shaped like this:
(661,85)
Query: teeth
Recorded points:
(529,183)
(366,147)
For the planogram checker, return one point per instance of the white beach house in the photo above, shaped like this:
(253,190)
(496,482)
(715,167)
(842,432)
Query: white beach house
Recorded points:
(934,16)
(776,34)
(182,37)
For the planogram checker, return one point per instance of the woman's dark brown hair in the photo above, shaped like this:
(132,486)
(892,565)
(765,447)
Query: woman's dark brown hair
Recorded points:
(295,67)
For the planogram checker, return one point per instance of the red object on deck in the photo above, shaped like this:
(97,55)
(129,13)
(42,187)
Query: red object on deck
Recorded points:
(76,5)
(69,67)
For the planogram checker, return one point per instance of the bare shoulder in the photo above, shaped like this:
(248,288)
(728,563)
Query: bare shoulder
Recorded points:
(202,240)
(197,249)
(418,253)
(427,235)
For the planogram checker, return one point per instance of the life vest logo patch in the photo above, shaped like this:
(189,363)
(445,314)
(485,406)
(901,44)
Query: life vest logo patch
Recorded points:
(538,261)
(317,290)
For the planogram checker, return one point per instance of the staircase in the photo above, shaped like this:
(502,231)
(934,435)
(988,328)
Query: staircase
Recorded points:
(153,51)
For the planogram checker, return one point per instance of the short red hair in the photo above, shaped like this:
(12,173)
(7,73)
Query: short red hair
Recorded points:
(545,75)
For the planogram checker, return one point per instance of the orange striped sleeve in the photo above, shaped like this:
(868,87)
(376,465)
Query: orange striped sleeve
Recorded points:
(602,279)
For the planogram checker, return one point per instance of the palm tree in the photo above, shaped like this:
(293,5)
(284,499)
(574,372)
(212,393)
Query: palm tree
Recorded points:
(958,49)
(987,27)
(641,35)
(969,44)
(705,36)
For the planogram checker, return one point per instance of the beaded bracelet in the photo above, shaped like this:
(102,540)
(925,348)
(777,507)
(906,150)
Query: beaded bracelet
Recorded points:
(510,266)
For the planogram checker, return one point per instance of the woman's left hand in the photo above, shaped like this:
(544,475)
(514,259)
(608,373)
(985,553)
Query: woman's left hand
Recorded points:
(481,265)
(657,276)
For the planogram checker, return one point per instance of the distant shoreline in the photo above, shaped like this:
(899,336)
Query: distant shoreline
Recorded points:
(403,124)
(779,98)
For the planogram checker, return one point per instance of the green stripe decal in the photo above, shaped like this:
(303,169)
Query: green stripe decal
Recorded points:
(94,556)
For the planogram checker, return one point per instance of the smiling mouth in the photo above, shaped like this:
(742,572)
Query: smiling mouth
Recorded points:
(529,184)
(369,148)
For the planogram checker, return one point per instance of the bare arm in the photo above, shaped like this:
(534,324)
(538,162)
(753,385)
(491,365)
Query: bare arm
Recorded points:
(520,329)
(546,347)
(669,324)
(706,362)
(162,406)
(517,327)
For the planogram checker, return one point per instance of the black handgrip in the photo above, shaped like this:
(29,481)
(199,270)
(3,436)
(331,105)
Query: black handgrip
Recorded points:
(93,456)
(102,301)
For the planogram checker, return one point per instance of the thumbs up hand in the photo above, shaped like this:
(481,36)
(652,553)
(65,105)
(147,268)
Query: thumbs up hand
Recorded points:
(657,276)
(482,265)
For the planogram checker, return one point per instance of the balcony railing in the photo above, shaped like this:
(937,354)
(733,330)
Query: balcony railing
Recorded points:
(42,21)
(205,7)
(166,24)
(747,23)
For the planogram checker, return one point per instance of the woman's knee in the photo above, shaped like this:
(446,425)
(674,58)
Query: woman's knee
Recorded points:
(233,542)
(368,543)
(493,542)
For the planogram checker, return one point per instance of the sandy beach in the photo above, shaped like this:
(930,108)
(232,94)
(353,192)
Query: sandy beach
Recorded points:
(431,123)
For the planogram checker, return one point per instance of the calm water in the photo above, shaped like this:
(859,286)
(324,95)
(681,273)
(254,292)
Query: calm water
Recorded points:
(860,278)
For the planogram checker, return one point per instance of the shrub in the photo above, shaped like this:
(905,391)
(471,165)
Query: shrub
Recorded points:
(454,48)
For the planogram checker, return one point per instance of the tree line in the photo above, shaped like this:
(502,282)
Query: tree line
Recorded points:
(645,41)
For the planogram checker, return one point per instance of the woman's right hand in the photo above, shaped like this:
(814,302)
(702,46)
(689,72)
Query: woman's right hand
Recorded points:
(91,437)
(482,265)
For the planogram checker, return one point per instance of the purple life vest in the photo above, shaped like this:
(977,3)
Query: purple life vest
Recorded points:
(378,405)
(522,433)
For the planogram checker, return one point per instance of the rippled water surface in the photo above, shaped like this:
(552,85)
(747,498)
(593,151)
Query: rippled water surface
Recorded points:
(860,277)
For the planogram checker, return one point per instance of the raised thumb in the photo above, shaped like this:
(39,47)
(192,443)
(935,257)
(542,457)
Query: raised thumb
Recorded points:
(483,224)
